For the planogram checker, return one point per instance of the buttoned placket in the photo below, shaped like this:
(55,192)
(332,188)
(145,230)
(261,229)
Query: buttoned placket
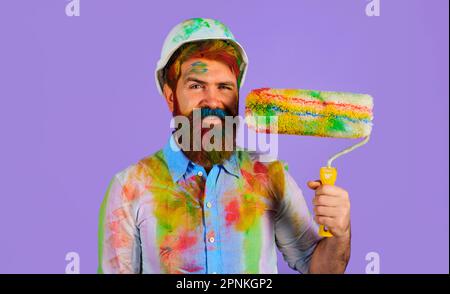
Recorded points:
(210,220)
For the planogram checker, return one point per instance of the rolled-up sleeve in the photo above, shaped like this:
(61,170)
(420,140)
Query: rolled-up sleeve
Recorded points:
(296,232)
(118,237)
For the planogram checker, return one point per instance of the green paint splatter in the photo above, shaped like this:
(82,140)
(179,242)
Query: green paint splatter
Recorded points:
(252,247)
(336,124)
(316,94)
(175,204)
(190,27)
(224,28)
(311,128)
(198,67)
(101,227)
(285,165)
(194,24)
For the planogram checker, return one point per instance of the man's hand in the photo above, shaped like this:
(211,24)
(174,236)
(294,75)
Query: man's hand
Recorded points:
(331,208)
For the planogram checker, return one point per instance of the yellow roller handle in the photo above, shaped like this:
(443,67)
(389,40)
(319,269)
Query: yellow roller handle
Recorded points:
(327,177)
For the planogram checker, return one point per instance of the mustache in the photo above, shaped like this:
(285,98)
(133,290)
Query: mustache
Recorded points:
(220,113)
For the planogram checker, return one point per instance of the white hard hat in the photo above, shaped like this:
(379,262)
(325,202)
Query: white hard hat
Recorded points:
(195,29)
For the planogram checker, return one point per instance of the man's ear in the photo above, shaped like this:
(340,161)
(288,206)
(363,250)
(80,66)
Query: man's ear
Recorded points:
(169,95)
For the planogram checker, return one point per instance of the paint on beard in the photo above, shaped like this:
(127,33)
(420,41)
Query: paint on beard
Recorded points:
(208,158)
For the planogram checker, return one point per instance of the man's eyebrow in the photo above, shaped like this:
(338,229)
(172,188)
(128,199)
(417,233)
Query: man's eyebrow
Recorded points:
(226,83)
(191,79)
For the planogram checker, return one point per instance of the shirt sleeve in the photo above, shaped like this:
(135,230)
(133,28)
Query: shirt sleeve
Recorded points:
(118,238)
(296,232)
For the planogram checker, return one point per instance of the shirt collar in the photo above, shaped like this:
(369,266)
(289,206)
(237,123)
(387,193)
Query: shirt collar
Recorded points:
(178,163)
(232,166)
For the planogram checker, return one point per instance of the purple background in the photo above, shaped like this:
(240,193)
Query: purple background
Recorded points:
(79,103)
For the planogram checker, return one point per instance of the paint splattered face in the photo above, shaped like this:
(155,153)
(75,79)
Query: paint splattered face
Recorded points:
(206,83)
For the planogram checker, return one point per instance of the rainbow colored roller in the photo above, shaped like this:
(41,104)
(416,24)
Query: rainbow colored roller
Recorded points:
(312,113)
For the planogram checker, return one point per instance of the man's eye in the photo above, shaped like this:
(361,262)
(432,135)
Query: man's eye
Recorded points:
(195,86)
(224,87)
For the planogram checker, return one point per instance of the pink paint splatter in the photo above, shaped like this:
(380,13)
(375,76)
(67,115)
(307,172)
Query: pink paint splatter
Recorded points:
(120,213)
(232,212)
(173,253)
(185,241)
(119,237)
(210,234)
(129,192)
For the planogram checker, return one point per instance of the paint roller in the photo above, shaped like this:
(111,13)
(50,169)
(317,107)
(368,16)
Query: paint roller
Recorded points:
(312,113)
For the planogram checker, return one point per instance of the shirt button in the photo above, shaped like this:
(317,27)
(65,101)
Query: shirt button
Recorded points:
(211,240)
(208,204)
(200,174)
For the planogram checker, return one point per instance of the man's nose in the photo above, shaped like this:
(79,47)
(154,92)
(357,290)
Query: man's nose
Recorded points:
(212,99)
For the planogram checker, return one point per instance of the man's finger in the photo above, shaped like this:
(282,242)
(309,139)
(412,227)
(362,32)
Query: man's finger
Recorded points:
(327,211)
(325,200)
(330,190)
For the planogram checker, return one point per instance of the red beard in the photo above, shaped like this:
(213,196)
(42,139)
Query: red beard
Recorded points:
(194,148)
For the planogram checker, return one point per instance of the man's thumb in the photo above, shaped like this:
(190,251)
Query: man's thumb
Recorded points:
(314,184)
